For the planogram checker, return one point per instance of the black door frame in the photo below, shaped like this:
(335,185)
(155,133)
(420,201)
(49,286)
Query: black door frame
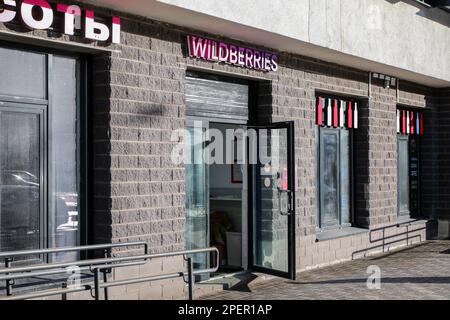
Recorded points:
(84,116)
(254,184)
(41,112)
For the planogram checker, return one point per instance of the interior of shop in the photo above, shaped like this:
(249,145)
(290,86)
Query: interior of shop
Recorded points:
(228,210)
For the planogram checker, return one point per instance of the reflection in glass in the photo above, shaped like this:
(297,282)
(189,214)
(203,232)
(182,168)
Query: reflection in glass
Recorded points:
(345,167)
(196,195)
(414,175)
(329,187)
(403,176)
(20,186)
(270,225)
(335,178)
(26,73)
(64,213)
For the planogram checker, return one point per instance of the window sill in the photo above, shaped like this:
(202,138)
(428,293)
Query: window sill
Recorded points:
(339,233)
(412,221)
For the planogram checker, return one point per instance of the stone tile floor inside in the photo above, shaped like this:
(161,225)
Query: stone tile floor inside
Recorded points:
(419,272)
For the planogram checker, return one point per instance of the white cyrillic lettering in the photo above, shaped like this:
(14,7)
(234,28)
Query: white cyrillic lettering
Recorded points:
(95,30)
(8,15)
(72,18)
(116,28)
(27,14)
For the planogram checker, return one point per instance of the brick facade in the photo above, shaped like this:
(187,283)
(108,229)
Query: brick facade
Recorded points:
(435,185)
(138,100)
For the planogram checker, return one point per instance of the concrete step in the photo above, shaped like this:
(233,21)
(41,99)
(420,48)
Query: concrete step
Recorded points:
(237,281)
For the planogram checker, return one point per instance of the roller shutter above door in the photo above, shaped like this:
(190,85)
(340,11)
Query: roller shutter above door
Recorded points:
(213,97)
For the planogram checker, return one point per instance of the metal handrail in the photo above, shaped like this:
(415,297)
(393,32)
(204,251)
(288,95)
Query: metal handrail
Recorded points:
(103,261)
(105,265)
(190,272)
(10,255)
(384,237)
(13,254)
(397,225)
(58,271)
(422,2)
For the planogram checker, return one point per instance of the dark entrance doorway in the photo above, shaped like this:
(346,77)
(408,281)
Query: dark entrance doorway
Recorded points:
(246,207)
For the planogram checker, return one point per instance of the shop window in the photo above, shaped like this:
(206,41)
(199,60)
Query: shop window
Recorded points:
(409,129)
(336,120)
(40,134)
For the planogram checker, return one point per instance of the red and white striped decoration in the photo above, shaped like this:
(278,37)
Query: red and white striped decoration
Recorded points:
(335,113)
(410,122)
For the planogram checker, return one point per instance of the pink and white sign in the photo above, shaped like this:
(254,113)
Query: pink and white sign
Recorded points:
(39,14)
(211,50)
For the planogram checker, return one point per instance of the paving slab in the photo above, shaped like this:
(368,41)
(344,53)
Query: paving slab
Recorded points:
(421,272)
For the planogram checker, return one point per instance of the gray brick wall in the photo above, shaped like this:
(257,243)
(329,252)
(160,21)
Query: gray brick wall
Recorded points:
(435,182)
(380,192)
(141,191)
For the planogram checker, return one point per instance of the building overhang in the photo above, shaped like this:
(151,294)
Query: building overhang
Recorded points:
(179,13)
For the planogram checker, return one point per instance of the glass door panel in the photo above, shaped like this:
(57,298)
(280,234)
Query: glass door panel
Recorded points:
(274,213)
(26,73)
(197,192)
(63,217)
(20,181)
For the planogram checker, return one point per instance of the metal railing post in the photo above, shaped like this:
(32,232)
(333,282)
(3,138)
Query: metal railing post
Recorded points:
(9,282)
(407,235)
(64,295)
(97,284)
(105,274)
(191,280)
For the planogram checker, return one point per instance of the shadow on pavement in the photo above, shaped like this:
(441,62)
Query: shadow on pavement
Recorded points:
(384,280)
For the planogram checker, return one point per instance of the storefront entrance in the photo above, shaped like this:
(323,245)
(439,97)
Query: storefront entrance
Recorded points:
(239,180)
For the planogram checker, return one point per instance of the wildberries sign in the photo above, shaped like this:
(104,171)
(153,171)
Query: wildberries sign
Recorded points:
(210,50)
(40,15)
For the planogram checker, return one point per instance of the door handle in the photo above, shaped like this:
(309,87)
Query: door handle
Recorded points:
(288,211)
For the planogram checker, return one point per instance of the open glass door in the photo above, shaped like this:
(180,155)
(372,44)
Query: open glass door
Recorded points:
(273,223)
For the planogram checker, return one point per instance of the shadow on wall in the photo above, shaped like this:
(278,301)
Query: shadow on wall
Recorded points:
(119,127)
(383,241)
(434,14)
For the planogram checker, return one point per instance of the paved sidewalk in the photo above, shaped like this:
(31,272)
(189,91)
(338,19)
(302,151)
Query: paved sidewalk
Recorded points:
(420,272)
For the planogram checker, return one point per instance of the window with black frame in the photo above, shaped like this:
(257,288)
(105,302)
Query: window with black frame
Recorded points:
(40,151)
(410,129)
(336,120)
